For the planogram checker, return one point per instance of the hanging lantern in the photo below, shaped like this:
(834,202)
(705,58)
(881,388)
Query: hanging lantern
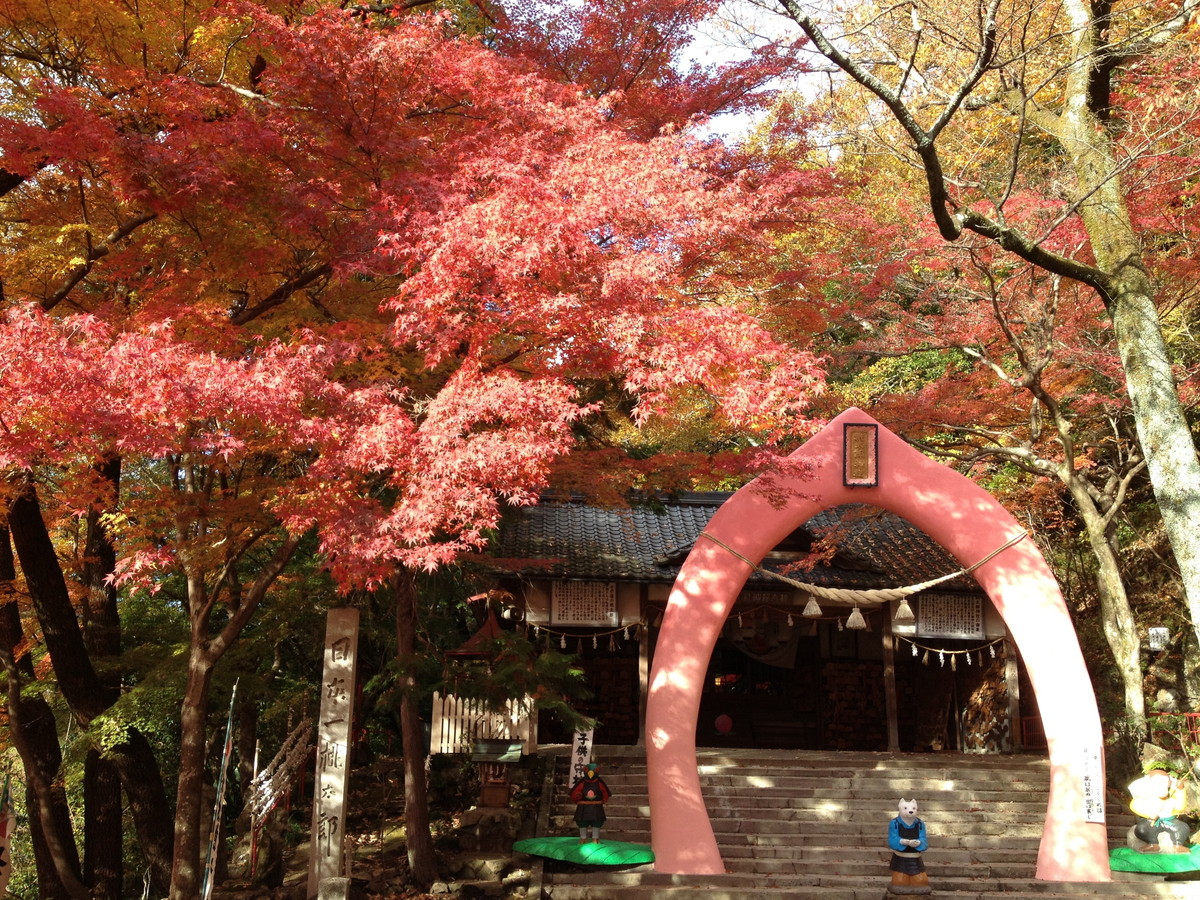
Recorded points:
(904,614)
(855,621)
(811,609)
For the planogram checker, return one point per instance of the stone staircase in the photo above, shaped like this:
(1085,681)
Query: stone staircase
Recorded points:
(798,824)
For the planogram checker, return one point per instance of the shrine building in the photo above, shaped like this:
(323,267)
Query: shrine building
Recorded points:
(809,657)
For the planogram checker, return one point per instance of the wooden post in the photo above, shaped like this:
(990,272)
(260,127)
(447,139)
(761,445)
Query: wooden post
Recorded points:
(333,748)
(1014,693)
(889,680)
(643,668)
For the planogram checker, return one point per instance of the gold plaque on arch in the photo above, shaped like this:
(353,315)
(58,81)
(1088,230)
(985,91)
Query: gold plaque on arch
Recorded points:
(860,455)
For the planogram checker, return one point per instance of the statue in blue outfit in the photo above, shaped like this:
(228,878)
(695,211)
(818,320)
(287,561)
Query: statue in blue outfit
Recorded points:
(906,838)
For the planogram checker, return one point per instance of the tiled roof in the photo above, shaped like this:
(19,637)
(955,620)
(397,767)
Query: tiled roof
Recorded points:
(648,542)
(571,540)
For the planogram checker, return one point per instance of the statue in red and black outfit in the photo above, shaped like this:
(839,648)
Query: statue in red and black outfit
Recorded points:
(590,793)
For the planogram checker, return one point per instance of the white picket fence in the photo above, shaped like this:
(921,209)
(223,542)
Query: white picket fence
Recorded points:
(457,723)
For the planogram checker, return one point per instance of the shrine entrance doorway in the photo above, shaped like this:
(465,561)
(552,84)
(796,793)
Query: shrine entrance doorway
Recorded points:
(749,702)
(855,460)
(827,690)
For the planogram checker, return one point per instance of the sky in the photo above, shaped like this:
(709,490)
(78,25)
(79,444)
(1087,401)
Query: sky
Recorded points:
(724,38)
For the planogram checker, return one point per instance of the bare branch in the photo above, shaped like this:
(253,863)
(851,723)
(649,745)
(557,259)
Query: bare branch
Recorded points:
(9,181)
(279,296)
(95,253)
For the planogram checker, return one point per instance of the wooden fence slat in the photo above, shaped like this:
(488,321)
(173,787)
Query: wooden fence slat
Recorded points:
(458,722)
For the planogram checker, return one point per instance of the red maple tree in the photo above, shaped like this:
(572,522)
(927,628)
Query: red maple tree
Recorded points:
(349,271)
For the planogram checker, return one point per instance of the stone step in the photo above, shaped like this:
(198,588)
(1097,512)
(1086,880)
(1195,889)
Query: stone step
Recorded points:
(893,769)
(959,798)
(797,825)
(869,866)
(1032,811)
(819,854)
(829,889)
(895,778)
(1023,845)
(834,828)
(854,886)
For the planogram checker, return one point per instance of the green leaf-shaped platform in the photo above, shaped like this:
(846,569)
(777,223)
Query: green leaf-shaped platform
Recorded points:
(568,849)
(1124,859)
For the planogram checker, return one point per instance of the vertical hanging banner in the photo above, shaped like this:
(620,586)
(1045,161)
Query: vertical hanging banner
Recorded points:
(208,881)
(333,747)
(1093,784)
(8,822)
(581,754)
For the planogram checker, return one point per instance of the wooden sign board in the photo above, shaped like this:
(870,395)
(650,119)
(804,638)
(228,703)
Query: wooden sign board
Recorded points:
(333,747)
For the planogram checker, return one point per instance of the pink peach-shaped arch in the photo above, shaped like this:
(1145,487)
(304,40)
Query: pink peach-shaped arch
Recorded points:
(969,524)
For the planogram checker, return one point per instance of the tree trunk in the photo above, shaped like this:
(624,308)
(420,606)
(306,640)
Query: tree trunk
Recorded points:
(193,720)
(103,850)
(85,693)
(421,862)
(247,744)
(77,679)
(48,806)
(1163,432)
(143,782)
(1116,615)
(34,718)
(49,885)
(103,847)
(203,657)
(1119,274)
(101,620)
(1162,427)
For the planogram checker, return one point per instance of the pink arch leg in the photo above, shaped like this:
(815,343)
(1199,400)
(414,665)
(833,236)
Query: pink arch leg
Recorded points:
(969,524)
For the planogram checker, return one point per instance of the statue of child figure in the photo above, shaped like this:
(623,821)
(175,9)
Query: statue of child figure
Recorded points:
(1158,801)
(590,794)
(906,838)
